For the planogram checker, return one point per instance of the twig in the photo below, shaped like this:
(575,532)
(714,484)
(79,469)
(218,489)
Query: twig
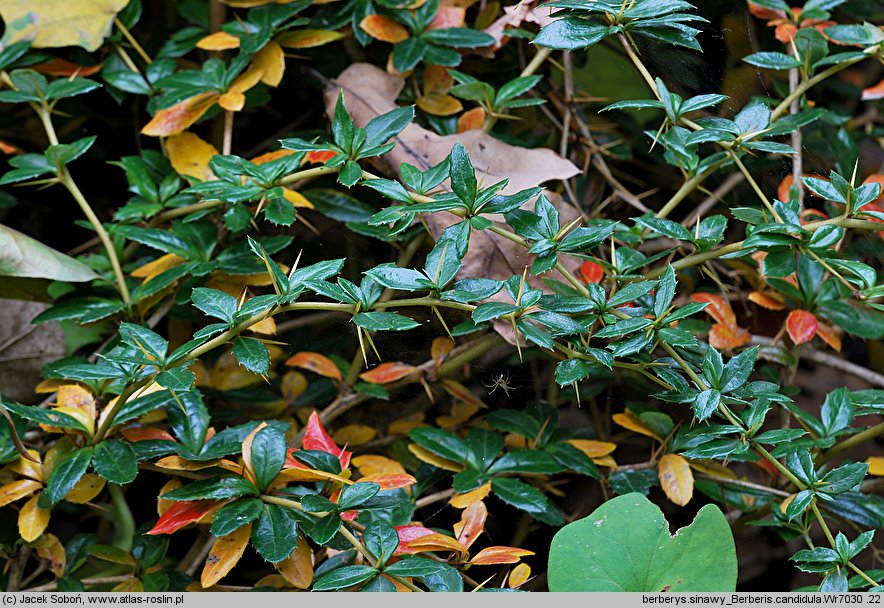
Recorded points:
(842,365)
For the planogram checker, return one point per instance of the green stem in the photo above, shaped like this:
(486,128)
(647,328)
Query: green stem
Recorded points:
(802,88)
(735,157)
(686,188)
(822,522)
(124,523)
(852,441)
(780,467)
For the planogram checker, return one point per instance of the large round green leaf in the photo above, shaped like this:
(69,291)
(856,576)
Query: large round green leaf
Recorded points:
(625,545)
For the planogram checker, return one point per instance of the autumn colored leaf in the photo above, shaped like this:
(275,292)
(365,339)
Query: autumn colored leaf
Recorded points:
(766,13)
(307,38)
(459,391)
(18,489)
(437,79)
(448,16)
(718,308)
(297,569)
(874,92)
(591,272)
(437,542)
(52,24)
(219,41)
(271,61)
(471,524)
(146,433)
(316,363)
(224,555)
(63,67)
(390,481)
(318,156)
(87,488)
(439,349)
(378,465)
(50,548)
(384,28)
(492,556)
(676,478)
(158,266)
(727,337)
(316,438)
(828,335)
(519,576)
(437,461)
(32,520)
(407,535)
(176,118)
(766,301)
(592,448)
(463,501)
(461,412)
(630,421)
(876,465)
(190,156)
(385,373)
(471,119)
(355,434)
(180,514)
(801,326)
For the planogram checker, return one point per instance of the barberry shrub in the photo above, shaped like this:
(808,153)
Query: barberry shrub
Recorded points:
(442,295)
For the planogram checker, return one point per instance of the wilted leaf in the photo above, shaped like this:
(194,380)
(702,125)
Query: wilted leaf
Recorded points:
(471,524)
(630,421)
(676,478)
(490,556)
(176,118)
(190,155)
(224,555)
(297,569)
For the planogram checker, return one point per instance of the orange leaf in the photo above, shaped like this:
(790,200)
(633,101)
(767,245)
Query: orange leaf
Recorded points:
(146,433)
(224,555)
(219,41)
(766,13)
(460,413)
(439,104)
(459,391)
(315,438)
(190,156)
(76,397)
(319,364)
(630,421)
(318,156)
(63,67)
(471,524)
(801,325)
(593,448)
(785,32)
(462,501)
(437,542)
(766,301)
(176,118)
(407,535)
(676,478)
(490,556)
(471,119)
(390,481)
(180,514)
(828,335)
(448,16)
(384,28)
(32,520)
(271,61)
(718,308)
(297,568)
(385,373)
(874,92)
(783,190)
(437,79)
(307,39)
(727,337)
(440,349)
(378,465)
(876,465)
(246,80)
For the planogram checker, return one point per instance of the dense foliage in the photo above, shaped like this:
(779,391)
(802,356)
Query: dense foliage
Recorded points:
(430,296)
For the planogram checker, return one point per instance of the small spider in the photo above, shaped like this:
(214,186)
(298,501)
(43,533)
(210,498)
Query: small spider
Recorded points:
(500,381)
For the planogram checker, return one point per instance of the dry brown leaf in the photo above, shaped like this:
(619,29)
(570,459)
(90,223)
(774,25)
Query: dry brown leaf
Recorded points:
(369,92)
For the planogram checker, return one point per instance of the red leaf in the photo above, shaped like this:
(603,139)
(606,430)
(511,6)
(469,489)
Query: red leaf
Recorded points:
(315,438)
(180,514)
(765,13)
(727,337)
(408,534)
(385,373)
(719,308)
(801,326)
(318,156)
(591,272)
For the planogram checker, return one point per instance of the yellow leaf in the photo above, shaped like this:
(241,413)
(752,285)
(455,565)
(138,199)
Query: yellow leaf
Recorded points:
(57,23)
(190,155)
(246,80)
(293,385)
(79,415)
(437,461)
(377,465)
(219,41)
(439,104)
(18,489)
(163,504)
(676,478)
(267,327)
(440,349)
(87,488)
(462,501)
(297,199)
(224,555)
(460,413)
(354,434)
(50,548)
(158,266)
(76,397)
(876,465)
(247,451)
(630,421)
(592,448)
(297,568)
(437,542)
(519,575)
(287,475)
(176,118)
(131,585)
(271,61)
(275,581)
(786,502)
(307,39)
(232,102)
(28,468)
(32,520)
(605,461)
